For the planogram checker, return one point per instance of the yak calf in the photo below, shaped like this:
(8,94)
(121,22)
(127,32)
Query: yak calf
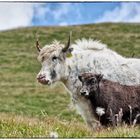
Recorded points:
(112,97)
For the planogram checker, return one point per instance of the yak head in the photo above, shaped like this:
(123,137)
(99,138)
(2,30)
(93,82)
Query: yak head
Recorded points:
(52,58)
(90,83)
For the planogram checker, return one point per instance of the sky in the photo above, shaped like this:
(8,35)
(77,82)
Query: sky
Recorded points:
(14,15)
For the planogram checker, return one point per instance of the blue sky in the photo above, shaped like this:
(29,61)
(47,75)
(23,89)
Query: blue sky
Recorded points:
(13,15)
(73,13)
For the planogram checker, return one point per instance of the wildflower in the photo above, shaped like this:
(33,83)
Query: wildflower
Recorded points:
(53,135)
(100,111)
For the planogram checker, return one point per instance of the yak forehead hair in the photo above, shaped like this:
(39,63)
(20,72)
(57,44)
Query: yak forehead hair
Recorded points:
(88,44)
(87,75)
(49,50)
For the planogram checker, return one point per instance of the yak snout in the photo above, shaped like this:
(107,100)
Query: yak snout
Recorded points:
(84,92)
(42,79)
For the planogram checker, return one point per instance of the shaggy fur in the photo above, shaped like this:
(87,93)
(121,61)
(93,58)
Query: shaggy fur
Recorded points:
(87,56)
(111,96)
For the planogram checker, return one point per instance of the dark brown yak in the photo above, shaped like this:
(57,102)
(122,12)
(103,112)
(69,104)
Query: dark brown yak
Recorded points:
(111,96)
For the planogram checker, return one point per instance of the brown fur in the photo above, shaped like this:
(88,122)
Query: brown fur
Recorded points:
(111,95)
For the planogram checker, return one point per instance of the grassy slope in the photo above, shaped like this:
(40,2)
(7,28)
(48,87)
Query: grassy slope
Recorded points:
(19,91)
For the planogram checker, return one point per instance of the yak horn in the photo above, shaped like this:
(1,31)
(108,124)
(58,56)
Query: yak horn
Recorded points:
(68,44)
(37,45)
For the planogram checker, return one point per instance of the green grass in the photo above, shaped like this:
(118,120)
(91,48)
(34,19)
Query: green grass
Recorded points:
(20,94)
(17,127)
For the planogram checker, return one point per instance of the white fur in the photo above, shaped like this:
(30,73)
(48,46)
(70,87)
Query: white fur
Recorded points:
(100,111)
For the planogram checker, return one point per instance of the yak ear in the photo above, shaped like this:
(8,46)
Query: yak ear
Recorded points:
(68,53)
(99,77)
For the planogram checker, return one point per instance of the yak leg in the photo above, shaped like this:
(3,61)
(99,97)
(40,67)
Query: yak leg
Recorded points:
(84,107)
(111,115)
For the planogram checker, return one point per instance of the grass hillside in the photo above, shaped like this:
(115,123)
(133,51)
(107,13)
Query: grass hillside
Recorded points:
(29,109)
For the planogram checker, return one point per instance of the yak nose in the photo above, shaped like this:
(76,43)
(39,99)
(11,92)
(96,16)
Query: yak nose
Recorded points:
(40,76)
(42,79)
(83,92)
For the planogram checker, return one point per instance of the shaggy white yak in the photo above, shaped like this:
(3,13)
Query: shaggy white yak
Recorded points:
(62,63)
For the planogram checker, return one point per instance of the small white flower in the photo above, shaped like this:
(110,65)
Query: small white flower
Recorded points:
(53,135)
(100,111)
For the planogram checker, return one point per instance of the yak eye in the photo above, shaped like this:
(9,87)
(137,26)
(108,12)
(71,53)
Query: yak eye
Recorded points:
(92,80)
(54,58)
(43,58)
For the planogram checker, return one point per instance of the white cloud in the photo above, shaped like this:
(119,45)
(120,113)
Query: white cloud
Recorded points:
(14,15)
(63,24)
(126,12)
(48,12)
(62,10)
(60,14)
(41,10)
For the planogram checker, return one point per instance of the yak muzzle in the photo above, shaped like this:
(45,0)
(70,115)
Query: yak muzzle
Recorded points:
(42,79)
(84,92)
